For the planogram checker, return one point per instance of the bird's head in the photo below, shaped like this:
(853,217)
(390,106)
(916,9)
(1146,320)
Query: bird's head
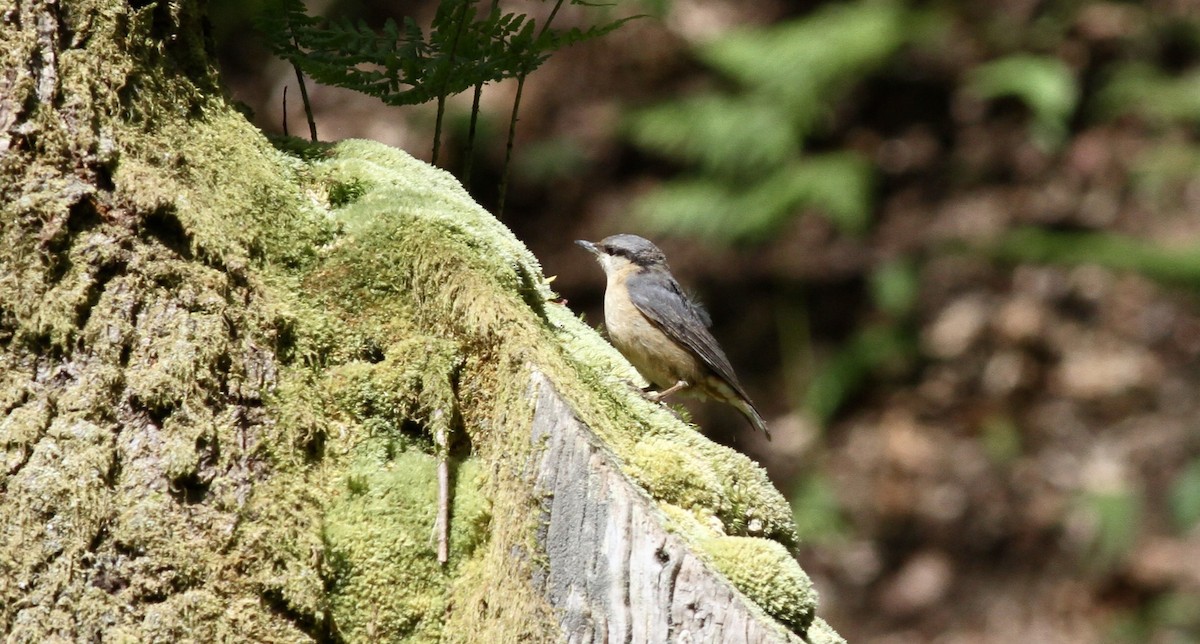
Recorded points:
(626,253)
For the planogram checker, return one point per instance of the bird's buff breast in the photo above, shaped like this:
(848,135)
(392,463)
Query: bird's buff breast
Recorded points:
(657,357)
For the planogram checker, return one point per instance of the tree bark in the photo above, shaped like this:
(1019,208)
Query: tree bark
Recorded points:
(228,377)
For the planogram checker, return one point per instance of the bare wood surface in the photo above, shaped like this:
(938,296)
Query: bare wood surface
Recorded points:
(614,573)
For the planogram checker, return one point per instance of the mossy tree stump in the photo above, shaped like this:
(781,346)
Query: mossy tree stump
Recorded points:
(223,366)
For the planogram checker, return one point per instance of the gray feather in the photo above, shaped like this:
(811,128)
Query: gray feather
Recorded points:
(661,300)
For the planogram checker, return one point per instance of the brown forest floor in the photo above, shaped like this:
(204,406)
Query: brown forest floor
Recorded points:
(1011,479)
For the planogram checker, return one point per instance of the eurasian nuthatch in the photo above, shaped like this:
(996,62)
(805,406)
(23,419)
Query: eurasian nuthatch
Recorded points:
(659,329)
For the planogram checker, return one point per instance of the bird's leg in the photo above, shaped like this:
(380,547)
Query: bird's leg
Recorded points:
(658,396)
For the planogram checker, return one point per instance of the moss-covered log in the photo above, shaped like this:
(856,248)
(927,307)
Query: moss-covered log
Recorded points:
(223,366)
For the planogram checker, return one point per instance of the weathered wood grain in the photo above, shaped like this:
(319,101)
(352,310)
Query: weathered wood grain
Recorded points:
(614,573)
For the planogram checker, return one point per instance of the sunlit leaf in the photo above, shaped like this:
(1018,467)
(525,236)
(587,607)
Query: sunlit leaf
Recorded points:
(1043,83)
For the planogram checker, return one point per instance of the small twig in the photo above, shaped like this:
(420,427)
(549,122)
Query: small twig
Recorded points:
(285,127)
(441,524)
(443,515)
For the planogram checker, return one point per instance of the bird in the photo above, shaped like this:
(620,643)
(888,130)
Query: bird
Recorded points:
(662,331)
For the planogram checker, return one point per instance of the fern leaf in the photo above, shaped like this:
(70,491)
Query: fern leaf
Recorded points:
(728,136)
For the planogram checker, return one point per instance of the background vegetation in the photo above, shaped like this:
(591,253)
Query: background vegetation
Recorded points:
(952,248)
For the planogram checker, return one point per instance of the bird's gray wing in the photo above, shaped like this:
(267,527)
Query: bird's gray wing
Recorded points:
(662,302)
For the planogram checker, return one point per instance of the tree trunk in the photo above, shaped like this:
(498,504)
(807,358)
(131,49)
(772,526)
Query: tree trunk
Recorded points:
(226,373)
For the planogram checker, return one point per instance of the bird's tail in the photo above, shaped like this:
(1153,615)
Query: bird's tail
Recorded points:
(751,414)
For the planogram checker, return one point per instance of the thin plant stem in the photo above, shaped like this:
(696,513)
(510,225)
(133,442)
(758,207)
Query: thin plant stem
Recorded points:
(469,152)
(308,113)
(437,128)
(512,134)
(512,122)
(441,102)
(553,12)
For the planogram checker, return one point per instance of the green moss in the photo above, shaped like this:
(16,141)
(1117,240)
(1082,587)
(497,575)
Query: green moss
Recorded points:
(766,573)
(302,424)
(673,476)
(414,383)
(379,534)
(20,429)
(278,547)
(344,194)
(186,436)
(199,615)
(763,570)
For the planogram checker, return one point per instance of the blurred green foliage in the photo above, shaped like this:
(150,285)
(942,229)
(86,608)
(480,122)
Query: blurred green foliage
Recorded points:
(1116,517)
(1143,90)
(723,135)
(1169,617)
(837,183)
(895,285)
(1119,252)
(816,509)
(1043,83)
(1001,439)
(871,347)
(751,172)
(808,63)
(1185,498)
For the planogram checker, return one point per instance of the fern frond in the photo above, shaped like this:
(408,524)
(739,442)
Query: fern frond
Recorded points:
(803,61)
(836,185)
(728,136)
(400,64)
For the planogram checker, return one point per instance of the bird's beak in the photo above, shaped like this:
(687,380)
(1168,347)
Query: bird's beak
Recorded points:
(588,246)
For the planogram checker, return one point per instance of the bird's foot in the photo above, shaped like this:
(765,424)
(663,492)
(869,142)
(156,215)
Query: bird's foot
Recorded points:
(659,396)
